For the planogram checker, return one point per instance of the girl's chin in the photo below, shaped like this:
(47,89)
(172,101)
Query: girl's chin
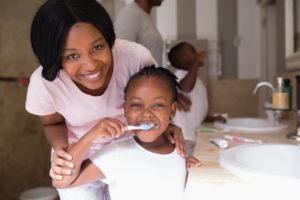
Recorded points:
(145,139)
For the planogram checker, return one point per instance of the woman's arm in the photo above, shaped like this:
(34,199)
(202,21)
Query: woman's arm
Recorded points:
(55,130)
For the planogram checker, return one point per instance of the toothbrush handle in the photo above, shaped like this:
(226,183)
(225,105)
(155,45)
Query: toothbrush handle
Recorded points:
(130,128)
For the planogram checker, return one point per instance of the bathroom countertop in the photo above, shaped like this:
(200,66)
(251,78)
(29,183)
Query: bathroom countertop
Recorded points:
(211,181)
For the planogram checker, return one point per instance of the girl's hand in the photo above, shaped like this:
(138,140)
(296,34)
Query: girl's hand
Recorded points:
(106,128)
(183,102)
(192,162)
(175,136)
(200,57)
(61,163)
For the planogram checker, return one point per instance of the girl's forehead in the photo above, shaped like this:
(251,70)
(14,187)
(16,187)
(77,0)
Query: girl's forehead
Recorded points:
(149,82)
(149,79)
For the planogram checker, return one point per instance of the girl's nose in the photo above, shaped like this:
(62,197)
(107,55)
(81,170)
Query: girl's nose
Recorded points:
(147,113)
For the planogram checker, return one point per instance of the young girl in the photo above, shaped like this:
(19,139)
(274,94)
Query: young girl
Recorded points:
(83,72)
(146,165)
(185,58)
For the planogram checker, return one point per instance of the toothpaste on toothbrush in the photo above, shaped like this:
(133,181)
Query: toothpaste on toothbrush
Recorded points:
(241,139)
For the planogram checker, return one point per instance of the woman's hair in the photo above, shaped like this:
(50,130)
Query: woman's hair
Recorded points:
(163,73)
(52,23)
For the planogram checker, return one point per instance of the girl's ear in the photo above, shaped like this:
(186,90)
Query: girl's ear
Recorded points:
(173,109)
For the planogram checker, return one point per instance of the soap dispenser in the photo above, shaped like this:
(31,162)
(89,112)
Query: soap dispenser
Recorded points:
(288,87)
(280,97)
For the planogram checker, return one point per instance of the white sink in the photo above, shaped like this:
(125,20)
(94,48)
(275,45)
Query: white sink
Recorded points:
(268,161)
(250,125)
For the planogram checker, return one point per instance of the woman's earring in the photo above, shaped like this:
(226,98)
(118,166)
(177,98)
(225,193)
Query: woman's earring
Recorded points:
(171,118)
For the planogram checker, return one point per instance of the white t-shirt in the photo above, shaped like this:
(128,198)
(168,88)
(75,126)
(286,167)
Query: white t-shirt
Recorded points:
(82,111)
(190,121)
(134,24)
(134,173)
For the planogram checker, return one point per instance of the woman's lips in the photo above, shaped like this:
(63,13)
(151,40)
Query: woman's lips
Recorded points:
(92,77)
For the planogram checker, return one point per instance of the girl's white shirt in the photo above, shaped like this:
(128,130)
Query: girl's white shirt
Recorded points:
(135,173)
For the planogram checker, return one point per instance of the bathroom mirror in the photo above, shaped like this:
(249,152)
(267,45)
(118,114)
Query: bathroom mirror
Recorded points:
(292,34)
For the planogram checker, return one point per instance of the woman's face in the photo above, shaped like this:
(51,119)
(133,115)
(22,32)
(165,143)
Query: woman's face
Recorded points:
(149,100)
(87,58)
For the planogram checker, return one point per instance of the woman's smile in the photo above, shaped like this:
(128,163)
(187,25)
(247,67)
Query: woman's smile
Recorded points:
(92,76)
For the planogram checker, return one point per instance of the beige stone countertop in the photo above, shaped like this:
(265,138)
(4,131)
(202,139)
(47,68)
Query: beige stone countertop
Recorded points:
(211,181)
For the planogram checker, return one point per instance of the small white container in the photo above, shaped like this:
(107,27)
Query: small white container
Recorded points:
(222,144)
(40,193)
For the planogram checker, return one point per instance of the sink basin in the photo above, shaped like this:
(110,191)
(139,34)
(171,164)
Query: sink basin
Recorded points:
(251,125)
(268,161)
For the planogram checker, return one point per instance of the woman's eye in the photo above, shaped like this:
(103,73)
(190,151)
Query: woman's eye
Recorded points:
(72,56)
(96,48)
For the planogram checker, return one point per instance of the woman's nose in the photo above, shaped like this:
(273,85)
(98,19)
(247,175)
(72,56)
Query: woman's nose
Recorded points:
(89,62)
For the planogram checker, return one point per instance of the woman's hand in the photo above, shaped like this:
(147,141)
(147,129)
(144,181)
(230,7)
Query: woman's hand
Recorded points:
(175,136)
(61,163)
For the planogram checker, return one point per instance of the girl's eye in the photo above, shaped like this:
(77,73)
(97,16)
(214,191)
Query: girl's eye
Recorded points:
(158,105)
(96,48)
(135,105)
(72,56)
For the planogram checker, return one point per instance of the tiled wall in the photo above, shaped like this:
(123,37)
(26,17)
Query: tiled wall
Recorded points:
(233,97)
(24,152)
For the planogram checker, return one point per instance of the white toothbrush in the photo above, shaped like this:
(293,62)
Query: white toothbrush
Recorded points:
(241,139)
(143,127)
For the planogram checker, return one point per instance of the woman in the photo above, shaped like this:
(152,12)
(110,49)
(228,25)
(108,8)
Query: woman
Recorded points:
(80,82)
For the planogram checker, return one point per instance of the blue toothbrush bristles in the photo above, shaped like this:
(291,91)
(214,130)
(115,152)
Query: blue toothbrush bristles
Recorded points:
(146,127)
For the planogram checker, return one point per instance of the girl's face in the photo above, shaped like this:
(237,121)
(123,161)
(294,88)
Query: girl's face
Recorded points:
(149,100)
(87,59)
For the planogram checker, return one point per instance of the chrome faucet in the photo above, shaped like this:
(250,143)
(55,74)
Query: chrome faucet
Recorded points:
(276,113)
(263,83)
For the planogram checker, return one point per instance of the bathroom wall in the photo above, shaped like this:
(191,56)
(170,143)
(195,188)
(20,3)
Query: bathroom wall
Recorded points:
(24,152)
(234,97)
